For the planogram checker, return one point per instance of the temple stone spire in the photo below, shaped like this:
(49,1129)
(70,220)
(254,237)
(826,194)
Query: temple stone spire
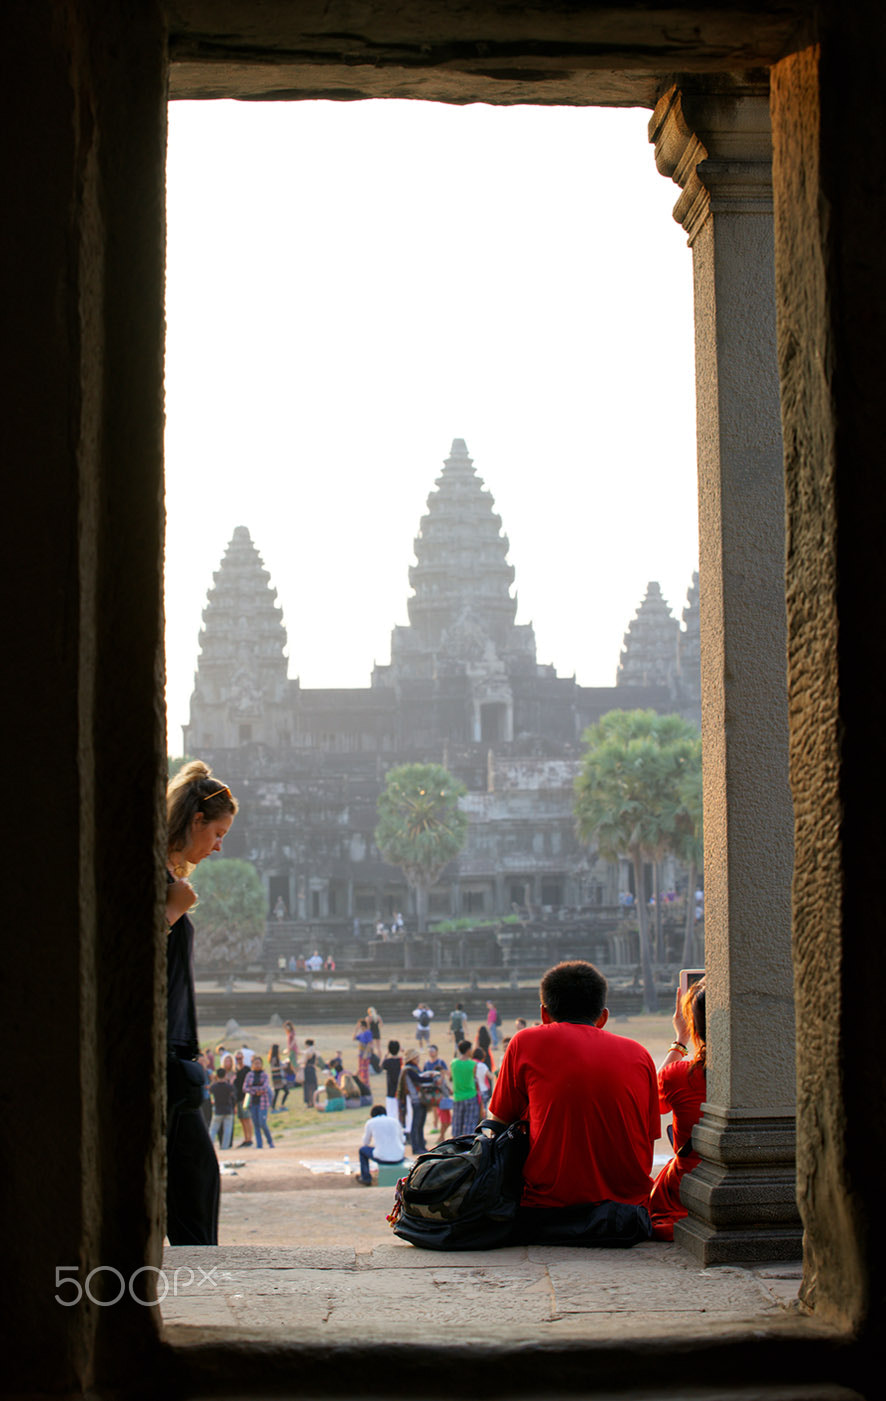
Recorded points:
(461,615)
(240,684)
(650,655)
(462,576)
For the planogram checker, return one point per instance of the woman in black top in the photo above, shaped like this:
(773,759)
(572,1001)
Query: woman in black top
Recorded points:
(483,1043)
(275,1066)
(199,811)
(240,1073)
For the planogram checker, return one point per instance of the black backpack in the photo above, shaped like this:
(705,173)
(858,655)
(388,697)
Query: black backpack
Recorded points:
(464,1194)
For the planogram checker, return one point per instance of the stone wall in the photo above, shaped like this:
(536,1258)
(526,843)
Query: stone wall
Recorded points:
(831,291)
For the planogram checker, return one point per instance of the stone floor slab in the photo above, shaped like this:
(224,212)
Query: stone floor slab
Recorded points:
(400,1255)
(657,1287)
(253,1257)
(199,1311)
(290,1316)
(474,1306)
(257,1298)
(352,1280)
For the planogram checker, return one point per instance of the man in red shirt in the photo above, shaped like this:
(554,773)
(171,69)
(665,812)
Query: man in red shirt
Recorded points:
(591,1099)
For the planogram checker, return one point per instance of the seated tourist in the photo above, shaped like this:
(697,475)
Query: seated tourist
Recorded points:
(682,1087)
(383,1140)
(329,1098)
(591,1099)
(349,1086)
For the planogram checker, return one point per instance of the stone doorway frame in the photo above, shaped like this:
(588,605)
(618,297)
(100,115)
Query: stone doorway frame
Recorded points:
(84,240)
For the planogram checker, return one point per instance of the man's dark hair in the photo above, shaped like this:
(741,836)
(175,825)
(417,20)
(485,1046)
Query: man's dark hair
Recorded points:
(574,992)
(376,1110)
(464,1047)
(393,1047)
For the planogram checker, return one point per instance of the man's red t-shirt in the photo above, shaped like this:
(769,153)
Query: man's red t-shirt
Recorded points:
(592,1102)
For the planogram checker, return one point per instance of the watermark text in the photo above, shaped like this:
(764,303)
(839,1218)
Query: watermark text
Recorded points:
(106,1285)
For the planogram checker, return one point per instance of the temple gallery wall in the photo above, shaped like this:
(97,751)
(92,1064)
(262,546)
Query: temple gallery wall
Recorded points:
(790,434)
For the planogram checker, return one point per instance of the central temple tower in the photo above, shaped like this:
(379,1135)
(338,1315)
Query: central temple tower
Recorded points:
(462,569)
(462,613)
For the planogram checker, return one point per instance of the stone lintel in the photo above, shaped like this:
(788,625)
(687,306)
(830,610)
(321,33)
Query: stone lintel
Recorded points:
(552,51)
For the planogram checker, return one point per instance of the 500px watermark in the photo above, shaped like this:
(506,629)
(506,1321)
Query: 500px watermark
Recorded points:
(66,1279)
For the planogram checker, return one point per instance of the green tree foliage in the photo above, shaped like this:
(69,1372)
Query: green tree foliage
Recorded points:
(420,826)
(631,798)
(688,847)
(229,919)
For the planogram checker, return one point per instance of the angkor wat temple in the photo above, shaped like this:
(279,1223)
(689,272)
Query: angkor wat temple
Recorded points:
(463,688)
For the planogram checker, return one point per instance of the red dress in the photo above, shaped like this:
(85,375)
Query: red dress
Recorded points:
(682,1089)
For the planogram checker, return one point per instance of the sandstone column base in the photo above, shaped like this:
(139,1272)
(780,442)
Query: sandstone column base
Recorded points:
(742,1197)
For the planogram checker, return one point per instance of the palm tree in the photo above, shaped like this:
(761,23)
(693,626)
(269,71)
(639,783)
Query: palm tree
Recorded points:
(629,798)
(420,826)
(689,848)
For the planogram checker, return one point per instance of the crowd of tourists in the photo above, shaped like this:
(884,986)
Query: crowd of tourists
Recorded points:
(242,1088)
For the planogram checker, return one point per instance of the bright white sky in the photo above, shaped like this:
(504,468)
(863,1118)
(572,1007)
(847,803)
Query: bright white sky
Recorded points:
(351,286)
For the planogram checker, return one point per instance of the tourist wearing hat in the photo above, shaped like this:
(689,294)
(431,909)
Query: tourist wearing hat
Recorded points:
(416,1088)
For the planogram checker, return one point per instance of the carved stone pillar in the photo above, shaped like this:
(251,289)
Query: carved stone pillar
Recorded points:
(742,1198)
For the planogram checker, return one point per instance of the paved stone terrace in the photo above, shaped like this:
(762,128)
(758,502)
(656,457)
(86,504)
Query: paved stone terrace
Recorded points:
(309,1262)
(370,1288)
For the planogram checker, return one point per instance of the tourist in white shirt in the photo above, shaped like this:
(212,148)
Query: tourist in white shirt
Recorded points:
(483,1078)
(382,1142)
(423,1017)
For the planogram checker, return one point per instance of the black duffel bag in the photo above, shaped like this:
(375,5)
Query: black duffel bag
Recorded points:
(464,1194)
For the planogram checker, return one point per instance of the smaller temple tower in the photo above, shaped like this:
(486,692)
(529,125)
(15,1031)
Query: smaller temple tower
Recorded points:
(650,655)
(240,686)
(690,655)
(658,652)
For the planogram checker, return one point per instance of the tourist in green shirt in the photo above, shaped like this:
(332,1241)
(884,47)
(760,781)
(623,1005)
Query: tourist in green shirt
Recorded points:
(466,1105)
